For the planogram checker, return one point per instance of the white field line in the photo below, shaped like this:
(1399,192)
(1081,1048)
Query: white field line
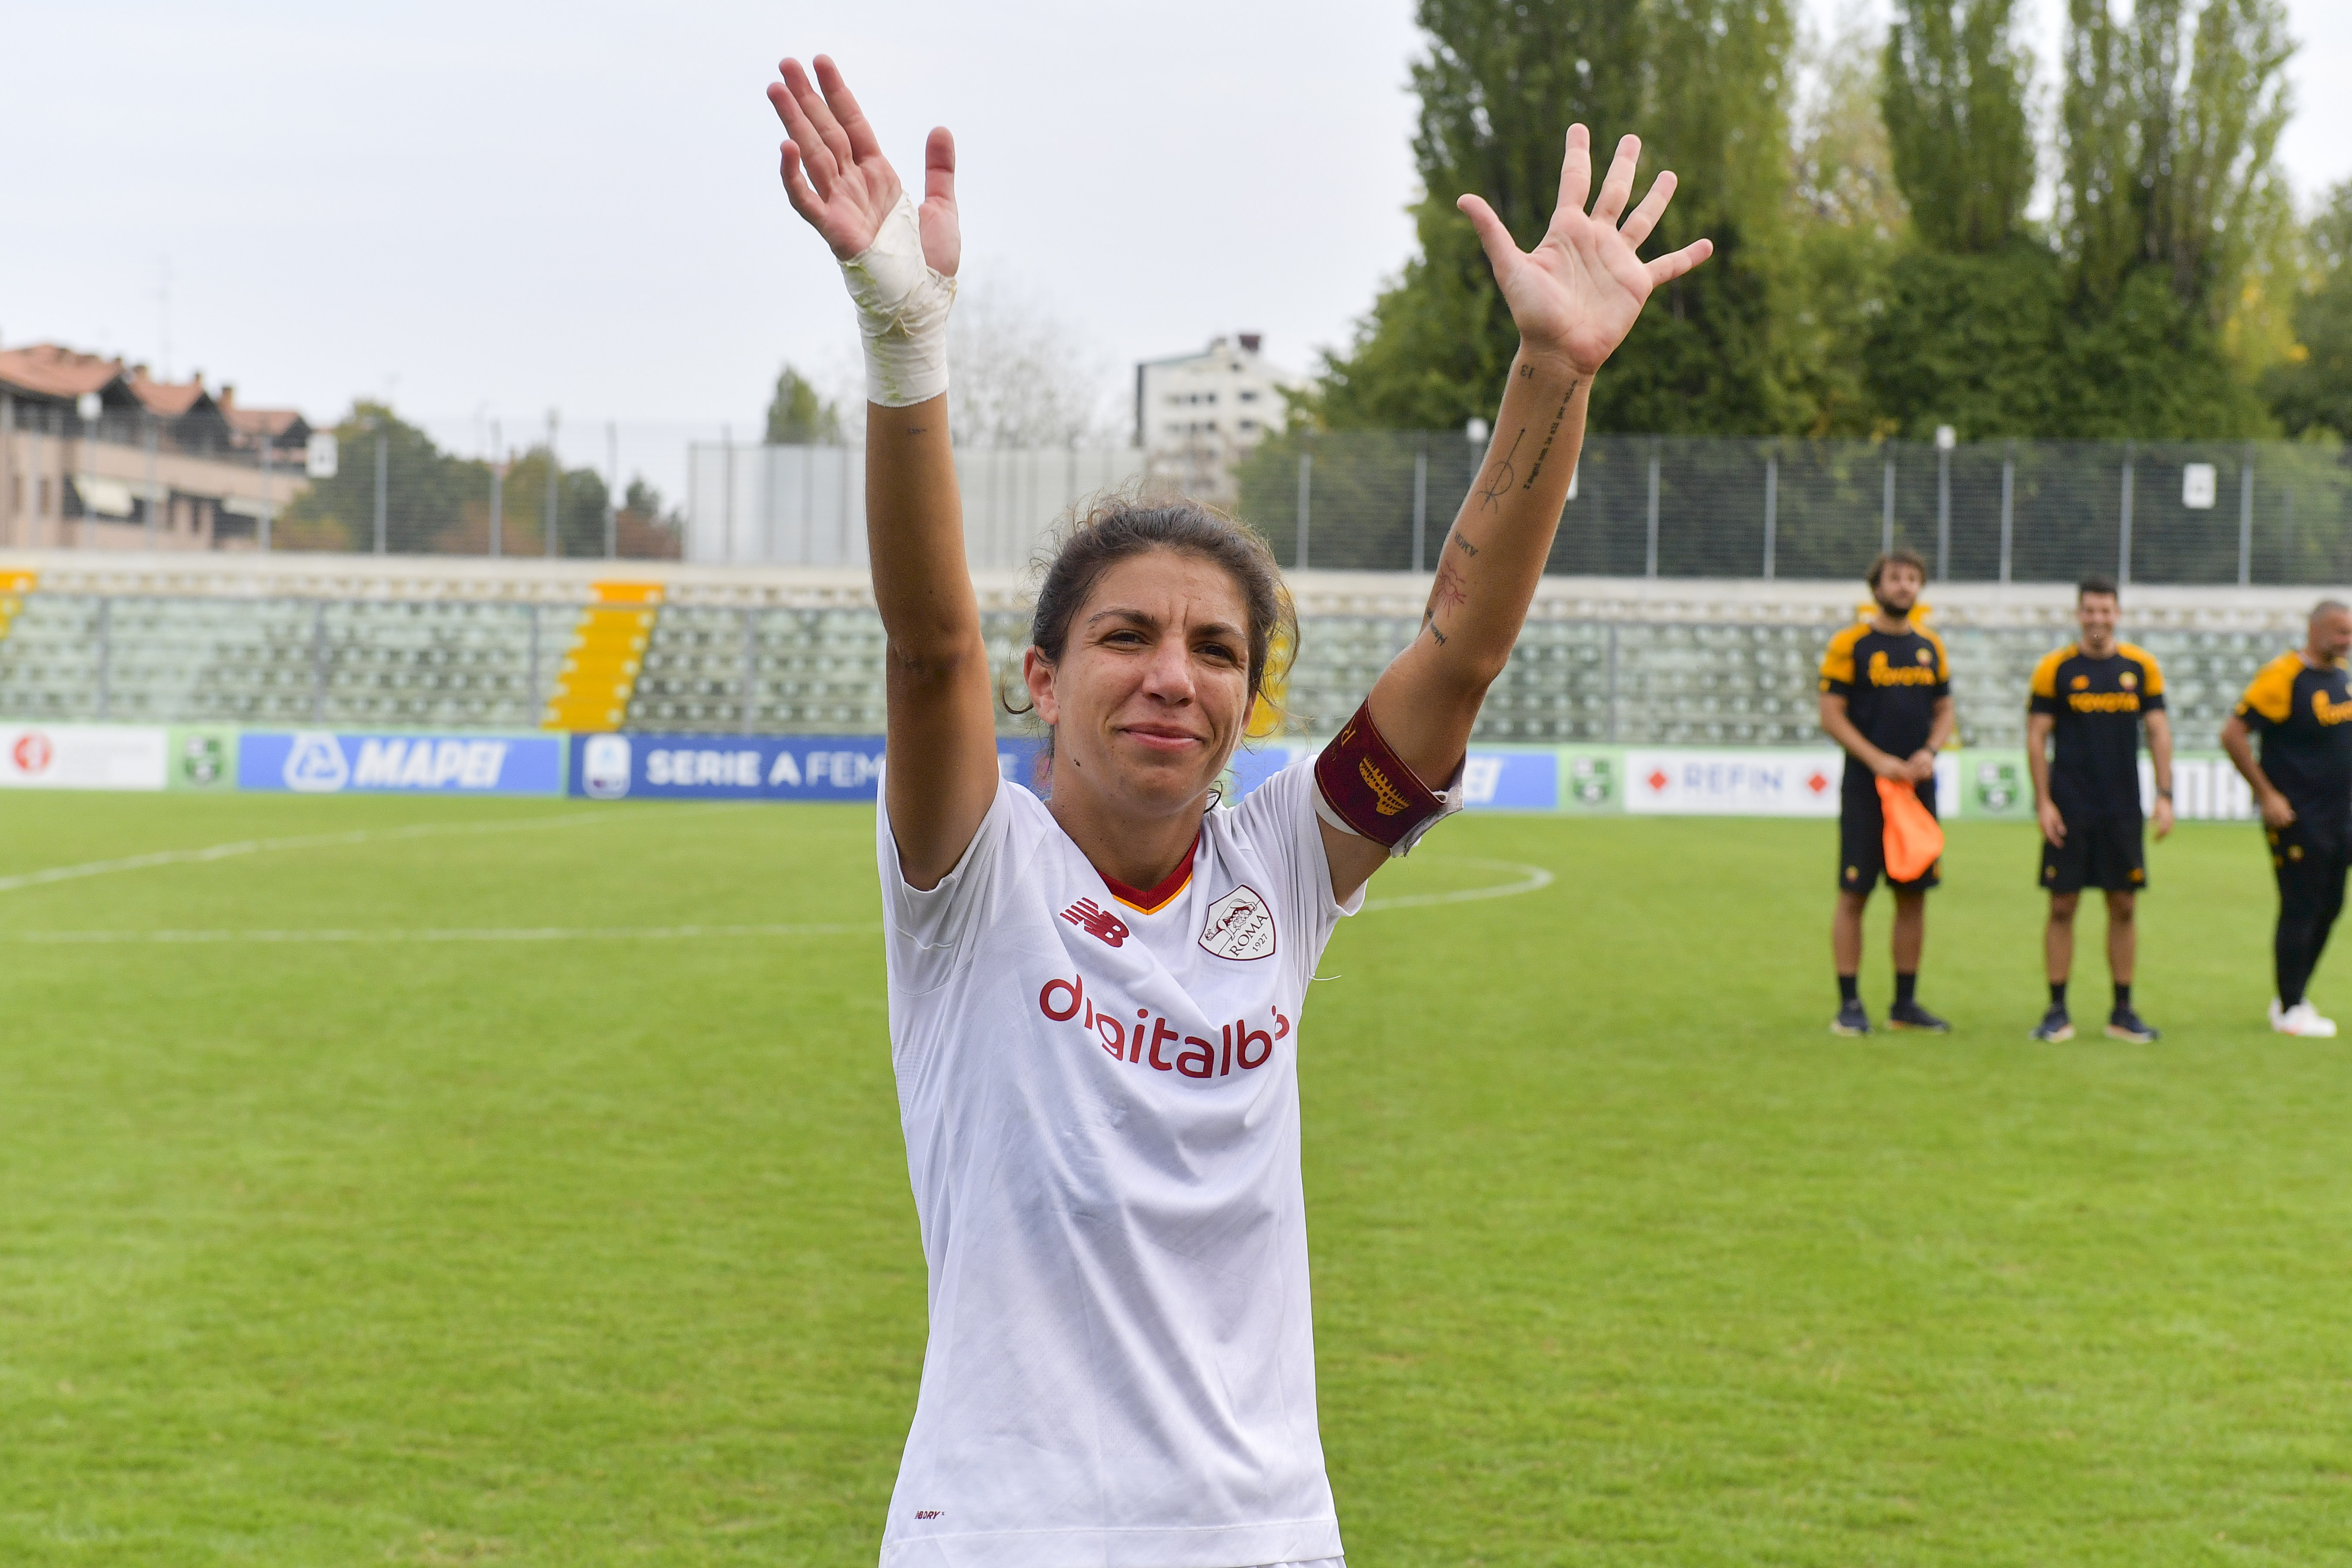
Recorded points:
(1530,879)
(490,933)
(307,841)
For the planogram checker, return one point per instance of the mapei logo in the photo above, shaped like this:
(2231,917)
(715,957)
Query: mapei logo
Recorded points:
(315,764)
(1096,921)
(1239,926)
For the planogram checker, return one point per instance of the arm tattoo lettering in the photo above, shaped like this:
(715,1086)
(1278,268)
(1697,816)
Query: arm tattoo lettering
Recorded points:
(1503,474)
(1465,546)
(1546,451)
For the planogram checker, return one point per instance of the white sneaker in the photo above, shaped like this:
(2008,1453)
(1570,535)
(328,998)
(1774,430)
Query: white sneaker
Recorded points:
(2275,1011)
(2303,1018)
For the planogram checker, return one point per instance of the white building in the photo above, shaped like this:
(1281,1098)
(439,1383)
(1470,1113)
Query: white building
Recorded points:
(1196,414)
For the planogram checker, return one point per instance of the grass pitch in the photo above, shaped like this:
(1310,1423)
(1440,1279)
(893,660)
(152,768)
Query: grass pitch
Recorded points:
(503,1248)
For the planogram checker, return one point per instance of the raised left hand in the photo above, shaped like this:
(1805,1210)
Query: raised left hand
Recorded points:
(1579,291)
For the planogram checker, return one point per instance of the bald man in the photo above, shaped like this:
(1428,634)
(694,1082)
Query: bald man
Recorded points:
(2302,704)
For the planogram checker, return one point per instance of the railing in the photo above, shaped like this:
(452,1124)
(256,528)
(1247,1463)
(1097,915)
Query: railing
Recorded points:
(2186,512)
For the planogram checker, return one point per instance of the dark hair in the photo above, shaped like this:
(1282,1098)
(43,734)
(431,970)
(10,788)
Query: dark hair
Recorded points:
(1906,556)
(2096,582)
(1121,526)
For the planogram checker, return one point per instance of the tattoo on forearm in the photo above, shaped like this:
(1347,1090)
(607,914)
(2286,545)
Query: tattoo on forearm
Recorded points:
(1465,546)
(1503,475)
(1451,592)
(1546,450)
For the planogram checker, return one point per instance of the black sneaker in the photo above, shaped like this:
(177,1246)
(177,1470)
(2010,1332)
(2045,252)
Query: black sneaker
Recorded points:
(1911,1015)
(1851,1019)
(2055,1025)
(2123,1024)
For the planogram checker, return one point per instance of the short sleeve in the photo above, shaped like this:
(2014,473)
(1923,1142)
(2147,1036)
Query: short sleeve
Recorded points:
(1277,820)
(1837,663)
(2042,691)
(927,932)
(2271,697)
(1943,687)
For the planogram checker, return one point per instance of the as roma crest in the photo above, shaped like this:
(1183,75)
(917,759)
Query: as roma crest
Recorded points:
(1239,926)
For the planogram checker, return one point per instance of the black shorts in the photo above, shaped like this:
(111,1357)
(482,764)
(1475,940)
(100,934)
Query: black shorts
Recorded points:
(2105,852)
(1862,840)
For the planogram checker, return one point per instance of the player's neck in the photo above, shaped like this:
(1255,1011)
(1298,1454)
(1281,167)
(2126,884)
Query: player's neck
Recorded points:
(1124,840)
(2098,650)
(1887,623)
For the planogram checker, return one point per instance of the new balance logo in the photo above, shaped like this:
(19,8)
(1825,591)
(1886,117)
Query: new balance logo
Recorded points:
(1097,921)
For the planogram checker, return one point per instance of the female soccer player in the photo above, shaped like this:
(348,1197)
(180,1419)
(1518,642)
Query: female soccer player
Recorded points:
(1095,997)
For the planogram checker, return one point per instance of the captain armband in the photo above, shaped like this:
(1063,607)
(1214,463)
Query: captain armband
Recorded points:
(902,311)
(1364,788)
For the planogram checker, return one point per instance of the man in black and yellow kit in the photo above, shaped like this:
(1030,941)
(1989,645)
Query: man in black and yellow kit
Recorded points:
(2089,698)
(1887,697)
(2301,703)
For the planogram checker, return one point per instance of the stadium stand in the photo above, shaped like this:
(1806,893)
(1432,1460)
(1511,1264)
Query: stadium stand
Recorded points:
(441,643)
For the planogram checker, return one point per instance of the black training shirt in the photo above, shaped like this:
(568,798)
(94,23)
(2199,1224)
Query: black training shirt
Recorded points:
(1891,686)
(2304,716)
(2094,761)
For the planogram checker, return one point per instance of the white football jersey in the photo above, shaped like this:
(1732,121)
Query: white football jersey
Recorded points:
(1100,1095)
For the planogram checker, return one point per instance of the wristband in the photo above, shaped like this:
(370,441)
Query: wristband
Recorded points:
(1364,788)
(902,311)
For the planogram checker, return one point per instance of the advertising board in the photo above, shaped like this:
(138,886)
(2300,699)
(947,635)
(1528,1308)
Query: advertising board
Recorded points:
(746,768)
(326,761)
(84,756)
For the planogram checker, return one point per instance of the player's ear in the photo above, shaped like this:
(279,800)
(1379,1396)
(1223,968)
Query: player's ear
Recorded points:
(1037,674)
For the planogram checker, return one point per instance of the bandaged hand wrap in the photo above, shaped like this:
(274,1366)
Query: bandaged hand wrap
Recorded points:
(1364,788)
(902,311)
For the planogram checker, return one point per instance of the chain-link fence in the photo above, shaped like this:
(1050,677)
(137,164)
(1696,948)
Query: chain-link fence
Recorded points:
(2203,512)
(2186,512)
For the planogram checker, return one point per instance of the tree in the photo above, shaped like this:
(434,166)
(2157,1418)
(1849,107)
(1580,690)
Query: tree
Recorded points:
(2311,390)
(798,416)
(426,490)
(1020,376)
(1955,106)
(2170,162)
(1849,222)
(1704,83)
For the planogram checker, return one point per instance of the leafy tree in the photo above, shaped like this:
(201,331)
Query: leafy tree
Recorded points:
(2311,389)
(798,416)
(426,490)
(2170,145)
(1704,83)
(1955,105)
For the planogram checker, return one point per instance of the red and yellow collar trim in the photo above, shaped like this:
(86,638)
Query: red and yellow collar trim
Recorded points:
(1151,901)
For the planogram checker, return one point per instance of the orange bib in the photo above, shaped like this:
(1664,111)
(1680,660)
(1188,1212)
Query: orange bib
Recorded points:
(1914,838)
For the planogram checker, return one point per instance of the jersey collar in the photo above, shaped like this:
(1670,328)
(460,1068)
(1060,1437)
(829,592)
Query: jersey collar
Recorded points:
(1151,901)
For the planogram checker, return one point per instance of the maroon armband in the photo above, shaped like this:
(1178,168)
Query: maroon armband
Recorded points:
(1368,789)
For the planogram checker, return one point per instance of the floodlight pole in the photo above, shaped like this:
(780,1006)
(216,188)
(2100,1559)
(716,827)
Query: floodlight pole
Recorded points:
(2246,518)
(554,483)
(383,481)
(2124,538)
(498,491)
(1771,509)
(612,488)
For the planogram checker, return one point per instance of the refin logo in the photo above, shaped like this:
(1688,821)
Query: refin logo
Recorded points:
(315,764)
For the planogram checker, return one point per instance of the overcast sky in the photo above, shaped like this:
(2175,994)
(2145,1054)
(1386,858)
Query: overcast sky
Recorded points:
(482,210)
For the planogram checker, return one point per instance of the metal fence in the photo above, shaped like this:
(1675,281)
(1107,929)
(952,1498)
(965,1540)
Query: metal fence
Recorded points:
(2187,512)
(2153,513)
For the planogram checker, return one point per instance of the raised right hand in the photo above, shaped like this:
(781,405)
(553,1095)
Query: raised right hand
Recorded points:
(836,177)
